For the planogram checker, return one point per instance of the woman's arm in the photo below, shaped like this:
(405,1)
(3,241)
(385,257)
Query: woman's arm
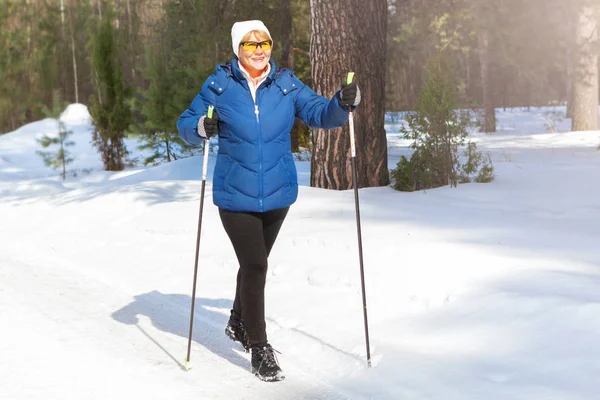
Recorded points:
(187,124)
(318,111)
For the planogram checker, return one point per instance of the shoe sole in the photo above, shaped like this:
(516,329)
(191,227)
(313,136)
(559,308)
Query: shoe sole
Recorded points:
(231,336)
(276,378)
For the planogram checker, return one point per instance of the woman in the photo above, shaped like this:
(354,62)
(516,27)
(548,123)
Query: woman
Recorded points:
(255,182)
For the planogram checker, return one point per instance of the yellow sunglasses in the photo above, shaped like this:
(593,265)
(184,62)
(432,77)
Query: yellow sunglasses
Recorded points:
(252,46)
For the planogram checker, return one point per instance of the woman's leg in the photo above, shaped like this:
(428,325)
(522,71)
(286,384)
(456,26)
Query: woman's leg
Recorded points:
(236,311)
(252,236)
(272,221)
(245,232)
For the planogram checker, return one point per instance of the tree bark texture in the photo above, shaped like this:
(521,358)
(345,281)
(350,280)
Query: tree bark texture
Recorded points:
(350,35)
(585,88)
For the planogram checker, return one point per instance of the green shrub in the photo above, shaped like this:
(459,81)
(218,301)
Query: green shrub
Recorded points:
(58,159)
(437,131)
(403,176)
(486,172)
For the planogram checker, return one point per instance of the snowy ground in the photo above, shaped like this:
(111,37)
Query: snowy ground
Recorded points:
(483,292)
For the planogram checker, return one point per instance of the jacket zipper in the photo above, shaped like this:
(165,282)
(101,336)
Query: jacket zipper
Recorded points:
(260,155)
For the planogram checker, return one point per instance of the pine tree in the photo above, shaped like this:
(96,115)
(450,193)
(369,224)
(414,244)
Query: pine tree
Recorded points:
(437,131)
(62,157)
(158,132)
(15,65)
(109,108)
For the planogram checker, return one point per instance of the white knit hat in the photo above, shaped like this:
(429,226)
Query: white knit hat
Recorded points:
(240,29)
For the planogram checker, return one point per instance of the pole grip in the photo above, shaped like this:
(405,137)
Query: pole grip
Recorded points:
(349,79)
(209,114)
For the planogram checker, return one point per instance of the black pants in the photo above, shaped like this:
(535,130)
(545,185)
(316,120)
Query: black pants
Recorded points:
(252,235)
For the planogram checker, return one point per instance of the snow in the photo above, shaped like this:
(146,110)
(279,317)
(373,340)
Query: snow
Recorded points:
(485,291)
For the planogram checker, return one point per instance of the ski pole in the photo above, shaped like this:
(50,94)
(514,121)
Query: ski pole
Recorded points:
(360,252)
(186,364)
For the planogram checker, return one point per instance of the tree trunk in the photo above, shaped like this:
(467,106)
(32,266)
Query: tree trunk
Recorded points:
(350,36)
(569,53)
(72,35)
(569,82)
(62,16)
(585,89)
(489,116)
(61,136)
(132,54)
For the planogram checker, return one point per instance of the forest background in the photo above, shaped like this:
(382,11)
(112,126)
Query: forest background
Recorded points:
(150,57)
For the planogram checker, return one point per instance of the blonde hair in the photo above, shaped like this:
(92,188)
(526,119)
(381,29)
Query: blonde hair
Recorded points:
(260,36)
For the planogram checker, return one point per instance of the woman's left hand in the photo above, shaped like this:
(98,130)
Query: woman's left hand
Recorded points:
(350,94)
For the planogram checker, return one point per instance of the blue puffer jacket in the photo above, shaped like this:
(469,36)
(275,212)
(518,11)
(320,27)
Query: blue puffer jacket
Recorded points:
(255,169)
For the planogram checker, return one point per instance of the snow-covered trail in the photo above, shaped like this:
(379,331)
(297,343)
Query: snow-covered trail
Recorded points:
(95,290)
(106,267)
(74,329)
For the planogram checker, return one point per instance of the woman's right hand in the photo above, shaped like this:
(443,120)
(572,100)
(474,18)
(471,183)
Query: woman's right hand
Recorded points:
(207,127)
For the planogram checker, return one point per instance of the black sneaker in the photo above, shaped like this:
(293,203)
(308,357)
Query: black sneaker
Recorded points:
(265,365)
(236,331)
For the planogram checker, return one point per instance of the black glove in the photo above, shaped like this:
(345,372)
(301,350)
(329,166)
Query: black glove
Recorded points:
(210,125)
(349,94)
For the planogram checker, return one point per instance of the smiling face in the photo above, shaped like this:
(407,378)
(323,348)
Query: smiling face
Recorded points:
(256,61)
